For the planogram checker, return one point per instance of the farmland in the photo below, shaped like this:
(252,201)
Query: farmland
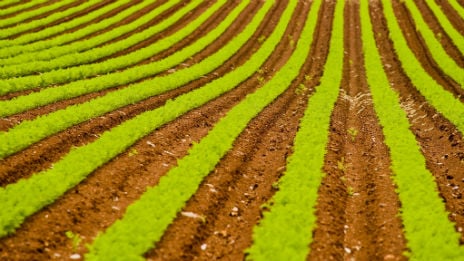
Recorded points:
(231,130)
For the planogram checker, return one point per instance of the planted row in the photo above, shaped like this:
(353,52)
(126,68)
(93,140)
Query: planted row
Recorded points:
(285,232)
(14,46)
(429,232)
(74,89)
(79,58)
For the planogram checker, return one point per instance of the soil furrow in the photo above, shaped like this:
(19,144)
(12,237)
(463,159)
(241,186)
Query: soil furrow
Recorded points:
(27,9)
(244,177)
(445,40)
(452,14)
(9,122)
(441,143)
(108,191)
(357,205)
(417,45)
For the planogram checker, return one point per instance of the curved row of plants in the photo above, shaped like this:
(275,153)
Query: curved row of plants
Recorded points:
(30,42)
(454,34)
(443,101)
(284,233)
(93,54)
(422,209)
(441,57)
(22,27)
(18,8)
(77,88)
(44,187)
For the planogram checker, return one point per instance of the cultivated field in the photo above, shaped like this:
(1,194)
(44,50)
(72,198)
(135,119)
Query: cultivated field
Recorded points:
(231,130)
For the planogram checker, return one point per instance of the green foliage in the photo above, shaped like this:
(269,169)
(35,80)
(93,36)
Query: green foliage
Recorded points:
(441,57)
(21,27)
(353,132)
(448,105)
(285,232)
(21,44)
(429,233)
(78,58)
(44,187)
(76,239)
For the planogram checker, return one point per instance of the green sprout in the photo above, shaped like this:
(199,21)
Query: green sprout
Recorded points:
(353,133)
(76,239)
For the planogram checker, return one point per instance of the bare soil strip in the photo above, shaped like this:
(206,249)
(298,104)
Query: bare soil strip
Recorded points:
(357,206)
(418,46)
(41,155)
(445,40)
(441,143)
(97,202)
(453,16)
(231,196)
(27,9)
(8,122)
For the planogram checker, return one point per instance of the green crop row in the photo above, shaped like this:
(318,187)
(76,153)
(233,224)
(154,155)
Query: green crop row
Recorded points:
(13,47)
(20,7)
(430,235)
(94,54)
(459,8)
(44,187)
(448,105)
(8,2)
(21,27)
(74,89)
(454,34)
(441,57)
(159,205)
(285,232)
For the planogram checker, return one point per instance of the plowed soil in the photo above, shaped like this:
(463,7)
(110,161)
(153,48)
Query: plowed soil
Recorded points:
(357,206)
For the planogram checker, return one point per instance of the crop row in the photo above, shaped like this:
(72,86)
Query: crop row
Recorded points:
(18,8)
(73,59)
(81,161)
(448,105)
(21,44)
(74,89)
(422,210)
(447,63)
(21,27)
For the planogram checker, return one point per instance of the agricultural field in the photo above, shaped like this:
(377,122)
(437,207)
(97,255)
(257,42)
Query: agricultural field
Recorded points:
(232,130)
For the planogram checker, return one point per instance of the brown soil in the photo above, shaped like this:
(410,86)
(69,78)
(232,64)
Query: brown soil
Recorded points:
(357,206)
(452,14)
(244,177)
(418,46)
(433,23)
(441,143)
(42,154)
(102,189)
(27,9)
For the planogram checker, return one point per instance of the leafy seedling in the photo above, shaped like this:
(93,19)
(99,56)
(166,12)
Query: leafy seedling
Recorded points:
(76,239)
(353,133)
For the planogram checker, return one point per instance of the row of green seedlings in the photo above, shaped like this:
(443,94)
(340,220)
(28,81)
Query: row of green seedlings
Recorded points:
(7,3)
(284,233)
(450,30)
(456,6)
(62,119)
(16,46)
(18,8)
(175,188)
(98,69)
(45,187)
(430,234)
(443,101)
(22,27)
(77,88)
(441,57)
(93,54)
(57,46)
